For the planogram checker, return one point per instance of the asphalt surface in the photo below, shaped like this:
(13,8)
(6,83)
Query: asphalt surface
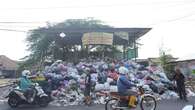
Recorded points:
(174,104)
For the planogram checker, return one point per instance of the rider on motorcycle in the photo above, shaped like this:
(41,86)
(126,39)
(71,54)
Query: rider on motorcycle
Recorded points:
(125,86)
(25,85)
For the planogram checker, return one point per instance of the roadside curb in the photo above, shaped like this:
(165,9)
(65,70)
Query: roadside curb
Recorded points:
(4,85)
(7,83)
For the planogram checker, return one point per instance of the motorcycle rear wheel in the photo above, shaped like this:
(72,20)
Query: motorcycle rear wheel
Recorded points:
(13,102)
(111,104)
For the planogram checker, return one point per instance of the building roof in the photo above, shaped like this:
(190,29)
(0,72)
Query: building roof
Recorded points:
(188,58)
(180,61)
(74,35)
(7,64)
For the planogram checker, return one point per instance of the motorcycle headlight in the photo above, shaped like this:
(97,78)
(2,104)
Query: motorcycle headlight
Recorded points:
(36,84)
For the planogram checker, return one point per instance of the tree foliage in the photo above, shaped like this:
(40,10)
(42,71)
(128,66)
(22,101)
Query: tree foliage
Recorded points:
(164,61)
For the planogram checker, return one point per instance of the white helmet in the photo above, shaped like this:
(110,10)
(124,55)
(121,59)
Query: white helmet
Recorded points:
(25,73)
(123,70)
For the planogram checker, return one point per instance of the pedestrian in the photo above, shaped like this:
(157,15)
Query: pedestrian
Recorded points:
(180,81)
(87,88)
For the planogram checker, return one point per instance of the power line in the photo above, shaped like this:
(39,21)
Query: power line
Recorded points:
(175,19)
(107,5)
(183,17)
(13,30)
(21,26)
(7,22)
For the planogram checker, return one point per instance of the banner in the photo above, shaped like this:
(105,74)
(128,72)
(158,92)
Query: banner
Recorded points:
(97,38)
(123,35)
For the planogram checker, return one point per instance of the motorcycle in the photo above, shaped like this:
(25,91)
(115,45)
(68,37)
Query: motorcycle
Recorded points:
(37,96)
(144,99)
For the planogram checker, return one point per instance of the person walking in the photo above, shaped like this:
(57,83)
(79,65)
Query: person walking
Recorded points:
(180,81)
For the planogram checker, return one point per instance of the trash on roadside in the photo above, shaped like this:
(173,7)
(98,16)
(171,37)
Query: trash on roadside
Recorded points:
(67,81)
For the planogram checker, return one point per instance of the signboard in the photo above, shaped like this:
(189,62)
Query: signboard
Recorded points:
(193,71)
(131,53)
(97,38)
(123,35)
(192,68)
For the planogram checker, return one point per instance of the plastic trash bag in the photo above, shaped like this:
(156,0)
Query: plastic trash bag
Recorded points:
(99,87)
(106,86)
(189,107)
(94,77)
(109,80)
(173,95)
(147,89)
(61,67)
(113,89)
(190,93)
(162,75)
(169,95)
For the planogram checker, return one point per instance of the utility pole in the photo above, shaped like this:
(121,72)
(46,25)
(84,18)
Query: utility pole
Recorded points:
(135,47)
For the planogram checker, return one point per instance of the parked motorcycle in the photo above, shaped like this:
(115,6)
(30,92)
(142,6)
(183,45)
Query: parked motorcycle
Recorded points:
(17,97)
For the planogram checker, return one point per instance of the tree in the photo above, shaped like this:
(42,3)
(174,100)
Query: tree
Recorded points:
(164,61)
(48,45)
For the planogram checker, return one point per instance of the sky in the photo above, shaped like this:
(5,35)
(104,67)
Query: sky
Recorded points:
(172,22)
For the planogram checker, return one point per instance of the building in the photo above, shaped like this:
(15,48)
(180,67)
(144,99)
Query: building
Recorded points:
(8,67)
(187,66)
(153,61)
(89,37)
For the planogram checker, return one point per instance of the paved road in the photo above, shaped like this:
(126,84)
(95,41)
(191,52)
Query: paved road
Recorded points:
(162,105)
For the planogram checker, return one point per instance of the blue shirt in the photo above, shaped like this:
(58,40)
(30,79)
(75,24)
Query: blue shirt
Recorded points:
(123,84)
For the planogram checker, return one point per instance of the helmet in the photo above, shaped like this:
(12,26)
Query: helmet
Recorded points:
(25,73)
(123,70)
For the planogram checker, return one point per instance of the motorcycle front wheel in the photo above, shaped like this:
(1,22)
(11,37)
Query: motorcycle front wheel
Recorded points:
(148,103)
(43,101)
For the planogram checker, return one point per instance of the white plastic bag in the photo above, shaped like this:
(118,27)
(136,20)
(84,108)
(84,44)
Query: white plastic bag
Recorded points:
(113,89)
(173,95)
(94,77)
(190,93)
(106,86)
(99,87)
(109,80)
(169,95)
(188,107)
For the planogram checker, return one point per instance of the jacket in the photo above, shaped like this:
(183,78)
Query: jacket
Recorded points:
(180,79)
(25,83)
(123,84)
(88,80)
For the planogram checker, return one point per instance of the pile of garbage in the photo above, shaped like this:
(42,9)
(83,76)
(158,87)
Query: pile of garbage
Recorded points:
(66,81)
